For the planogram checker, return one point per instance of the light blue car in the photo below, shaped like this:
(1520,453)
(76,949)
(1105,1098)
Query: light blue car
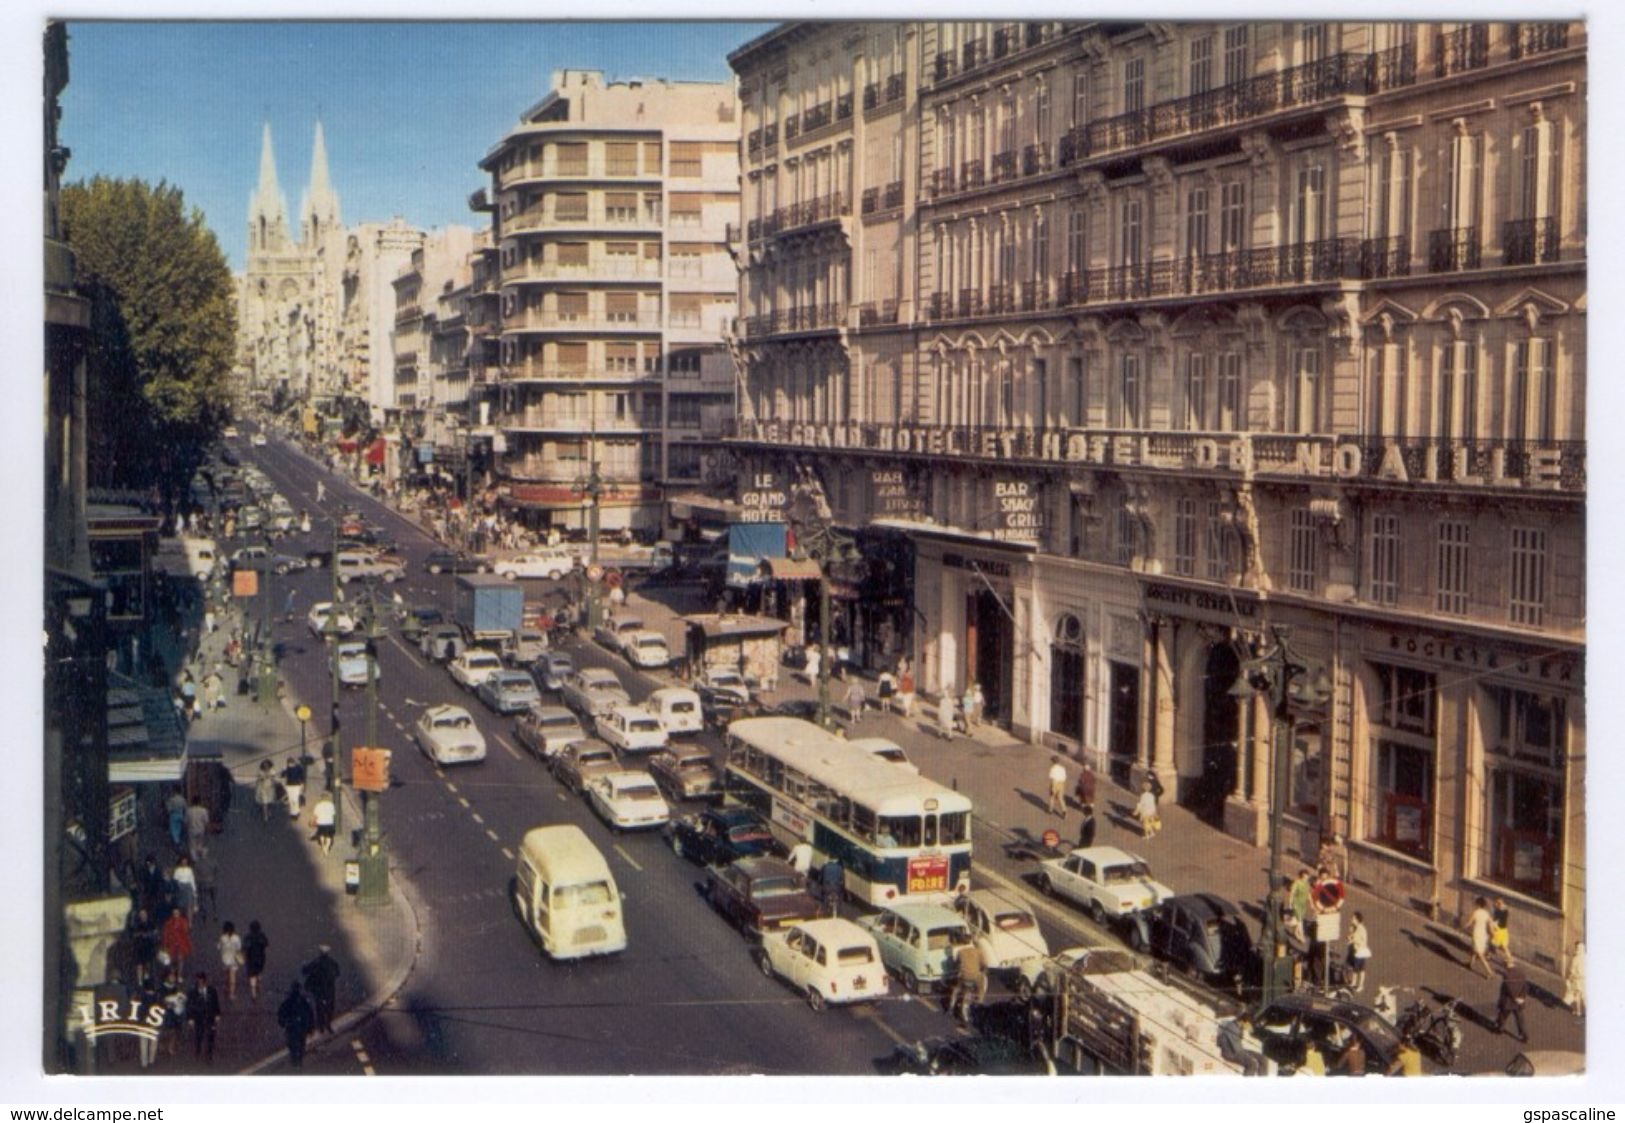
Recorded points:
(918,943)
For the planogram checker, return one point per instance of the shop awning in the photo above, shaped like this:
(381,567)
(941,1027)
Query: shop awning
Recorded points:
(145,742)
(715,627)
(941,532)
(793,569)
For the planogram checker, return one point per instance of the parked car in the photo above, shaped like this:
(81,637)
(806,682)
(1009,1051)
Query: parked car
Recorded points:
(354,565)
(759,895)
(523,647)
(353,663)
(646,649)
(918,943)
(677,708)
(632,730)
(474,666)
(720,835)
(1006,933)
(592,691)
(1289,1023)
(884,748)
(686,772)
(829,961)
(250,557)
(448,735)
(627,800)
(441,643)
(580,762)
(1199,933)
(317,619)
(509,692)
(1109,882)
(719,684)
(456,561)
(612,633)
(548,730)
(284,564)
(551,564)
(552,669)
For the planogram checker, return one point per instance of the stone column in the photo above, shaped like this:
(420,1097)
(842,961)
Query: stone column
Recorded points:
(1161,760)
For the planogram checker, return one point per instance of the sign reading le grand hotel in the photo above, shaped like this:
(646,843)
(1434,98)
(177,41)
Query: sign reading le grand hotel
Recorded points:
(1551,467)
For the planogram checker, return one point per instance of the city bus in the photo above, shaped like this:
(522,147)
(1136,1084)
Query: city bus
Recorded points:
(897,835)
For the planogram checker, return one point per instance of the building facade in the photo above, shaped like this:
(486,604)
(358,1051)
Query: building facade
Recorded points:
(1198,330)
(374,255)
(610,205)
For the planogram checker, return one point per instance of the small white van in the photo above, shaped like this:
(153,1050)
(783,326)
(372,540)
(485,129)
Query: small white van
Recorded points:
(678,709)
(200,555)
(565,896)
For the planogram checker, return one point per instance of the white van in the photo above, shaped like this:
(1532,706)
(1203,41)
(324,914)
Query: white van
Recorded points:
(200,555)
(565,895)
(678,709)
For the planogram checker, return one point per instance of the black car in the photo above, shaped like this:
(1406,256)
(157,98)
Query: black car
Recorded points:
(1288,1024)
(1005,1043)
(416,619)
(455,561)
(229,456)
(1199,933)
(719,835)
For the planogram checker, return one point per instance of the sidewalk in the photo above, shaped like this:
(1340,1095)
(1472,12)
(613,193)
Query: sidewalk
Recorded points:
(274,872)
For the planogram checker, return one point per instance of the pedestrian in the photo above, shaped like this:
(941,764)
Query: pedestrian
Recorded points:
(1500,933)
(1510,1001)
(209,622)
(231,957)
(155,888)
(978,707)
(143,945)
(197,828)
(1301,902)
(832,882)
(150,996)
(855,700)
(265,790)
(213,694)
(321,490)
(905,691)
(173,996)
(967,706)
(293,783)
(945,715)
(1574,981)
(1146,810)
(321,978)
(1086,829)
(1478,927)
(1085,791)
(1359,952)
(287,605)
(296,1018)
(1057,785)
(324,817)
(176,941)
(304,522)
(255,945)
(176,804)
(184,878)
(815,659)
(970,981)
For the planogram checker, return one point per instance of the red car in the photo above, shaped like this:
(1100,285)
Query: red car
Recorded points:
(758,894)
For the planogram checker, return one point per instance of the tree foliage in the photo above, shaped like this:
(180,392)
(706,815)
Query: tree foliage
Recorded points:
(166,317)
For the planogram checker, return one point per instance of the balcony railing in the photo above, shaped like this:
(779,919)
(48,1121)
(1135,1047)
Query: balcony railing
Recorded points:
(871,95)
(618,268)
(1466,48)
(1393,68)
(893,195)
(1001,299)
(971,175)
(944,68)
(572,372)
(1385,257)
(753,144)
(871,200)
(566,422)
(1537,38)
(815,118)
(843,107)
(826,208)
(770,135)
(970,302)
(792,128)
(942,181)
(1004,42)
(1450,251)
(1004,166)
(1529,241)
(1035,159)
(894,89)
(873,315)
(586,321)
(972,55)
(785,321)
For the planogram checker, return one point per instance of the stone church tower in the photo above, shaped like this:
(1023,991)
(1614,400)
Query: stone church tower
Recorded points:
(288,317)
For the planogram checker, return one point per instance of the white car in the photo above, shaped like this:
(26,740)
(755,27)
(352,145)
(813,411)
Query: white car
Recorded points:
(352,661)
(1103,879)
(548,730)
(628,801)
(258,440)
(551,564)
(448,735)
(474,666)
(317,619)
(354,564)
(828,961)
(524,647)
(631,729)
(1006,933)
(646,649)
(884,748)
(592,691)
(612,633)
(229,432)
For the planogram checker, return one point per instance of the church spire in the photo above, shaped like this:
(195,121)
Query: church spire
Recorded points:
(267,213)
(319,209)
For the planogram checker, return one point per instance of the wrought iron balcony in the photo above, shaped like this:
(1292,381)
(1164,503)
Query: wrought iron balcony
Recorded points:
(971,175)
(942,181)
(1537,38)
(871,200)
(1529,241)
(1035,159)
(1074,146)
(944,67)
(894,89)
(1004,166)
(871,95)
(972,55)
(843,107)
(893,196)
(753,144)
(1001,299)
(1037,34)
(1466,48)
(792,128)
(873,315)
(1393,68)
(816,117)
(1385,257)
(1450,251)
(1004,42)
(970,302)
(770,134)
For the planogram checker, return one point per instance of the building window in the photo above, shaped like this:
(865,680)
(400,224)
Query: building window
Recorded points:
(1080,97)
(1528,594)
(1185,537)
(1219,538)
(1078,378)
(1403,752)
(1077,223)
(1129,233)
(1464,183)
(1303,568)
(1311,43)
(1306,391)
(1128,533)
(1450,580)
(1201,68)
(1133,85)
(1237,56)
(1532,405)
(1306,779)
(1310,217)
(1195,411)
(1230,418)
(1066,679)
(1524,822)
(1196,222)
(1128,392)
(1385,559)
(1233,217)
(1042,123)
(1040,254)
(1458,391)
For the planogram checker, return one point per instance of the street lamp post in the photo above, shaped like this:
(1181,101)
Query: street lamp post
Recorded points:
(374,887)
(1292,683)
(330,630)
(266,687)
(818,538)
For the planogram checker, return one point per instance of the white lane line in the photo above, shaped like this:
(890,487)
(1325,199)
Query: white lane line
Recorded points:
(870,1015)
(513,752)
(462,800)
(507,853)
(492,835)
(627,857)
(478,819)
(407,651)
(562,797)
(450,787)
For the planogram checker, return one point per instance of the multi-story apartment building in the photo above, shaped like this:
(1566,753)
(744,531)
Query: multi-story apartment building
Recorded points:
(375,253)
(610,205)
(1205,329)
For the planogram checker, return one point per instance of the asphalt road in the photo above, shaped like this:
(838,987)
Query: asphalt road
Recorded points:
(685,998)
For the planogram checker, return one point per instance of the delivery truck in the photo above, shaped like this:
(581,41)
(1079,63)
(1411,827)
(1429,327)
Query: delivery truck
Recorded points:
(489,608)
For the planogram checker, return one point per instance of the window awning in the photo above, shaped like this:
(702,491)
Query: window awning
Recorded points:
(793,569)
(145,742)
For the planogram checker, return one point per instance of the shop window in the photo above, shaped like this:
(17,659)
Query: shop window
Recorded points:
(1307,780)
(1405,798)
(1524,817)
(1066,678)
(1407,699)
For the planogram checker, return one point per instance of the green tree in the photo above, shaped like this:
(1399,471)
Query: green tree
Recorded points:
(166,320)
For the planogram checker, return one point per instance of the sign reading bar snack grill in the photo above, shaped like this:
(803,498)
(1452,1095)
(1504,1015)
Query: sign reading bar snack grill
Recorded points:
(245,583)
(369,769)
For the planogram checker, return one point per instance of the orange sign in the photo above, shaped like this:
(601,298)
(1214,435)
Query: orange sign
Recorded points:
(245,583)
(369,769)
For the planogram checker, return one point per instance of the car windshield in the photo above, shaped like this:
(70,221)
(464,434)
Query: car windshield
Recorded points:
(515,681)
(530,637)
(461,721)
(950,937)
(484,661)
(774,887)
(600,681)
(643,792)
(1116,875)
(726,678)
(1010,921)
(556,721)
(853,957)
(694,764)
(651,641)
(576,896)
(682,707)
(350,650)
(647,726)
(596,756)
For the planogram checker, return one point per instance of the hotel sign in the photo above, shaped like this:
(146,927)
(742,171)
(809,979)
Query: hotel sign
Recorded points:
(1527,465)
(764,499)
(896,494)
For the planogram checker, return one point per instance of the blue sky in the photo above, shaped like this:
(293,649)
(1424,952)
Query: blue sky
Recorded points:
(408,109)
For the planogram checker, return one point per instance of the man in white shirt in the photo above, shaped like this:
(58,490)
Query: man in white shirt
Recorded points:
(1057,788)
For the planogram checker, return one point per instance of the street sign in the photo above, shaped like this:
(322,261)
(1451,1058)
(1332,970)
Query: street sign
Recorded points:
(121,810)
(613,580)
(369,769)
(302,713)
(595,573)
(1052,839)
(245,583)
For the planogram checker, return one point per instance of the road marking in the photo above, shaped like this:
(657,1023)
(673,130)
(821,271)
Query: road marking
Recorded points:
(562,797)
(492,835)
(628,858)
(869,1015)
(407,651)
(361,1056)
(478,820)
(513,752)
(462,800)
(450,787)
(507,853)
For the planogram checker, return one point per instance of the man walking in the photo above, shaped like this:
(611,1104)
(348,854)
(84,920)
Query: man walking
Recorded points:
(1510,1002)
(321,977)
(970,981)
(293,781)
(203,1008)
(197,829)
(1057,787)
(295,1018)
(1086,829)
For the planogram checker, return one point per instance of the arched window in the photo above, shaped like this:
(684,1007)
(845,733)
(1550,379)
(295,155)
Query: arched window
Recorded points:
(1066,678)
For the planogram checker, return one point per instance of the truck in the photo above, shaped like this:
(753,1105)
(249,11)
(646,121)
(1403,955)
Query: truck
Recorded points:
(489,609)
(1102,1012)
